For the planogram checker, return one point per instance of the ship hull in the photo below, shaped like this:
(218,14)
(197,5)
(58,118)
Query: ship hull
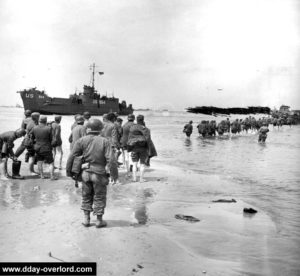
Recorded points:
(37,101)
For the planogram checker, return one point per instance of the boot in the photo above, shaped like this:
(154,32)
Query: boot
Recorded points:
(99,222)
(16,166)
(86,221)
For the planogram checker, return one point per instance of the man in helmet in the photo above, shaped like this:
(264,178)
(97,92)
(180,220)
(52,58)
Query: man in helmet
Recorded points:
(57,141)
(110,132)
(262,132)
(96,151)
(86,116)
(6,150)
(188,129)
(24,124)
(42,136)
(124,139)
(138,142)
(30,154)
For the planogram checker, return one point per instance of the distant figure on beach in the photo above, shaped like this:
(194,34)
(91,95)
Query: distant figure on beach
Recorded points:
(188,129)
(42,136)
(262,133)
(124,140)
(57,141)
(97,153)
(6,151)
(138,140)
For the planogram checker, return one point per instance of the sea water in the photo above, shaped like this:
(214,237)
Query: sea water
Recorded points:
(264,175)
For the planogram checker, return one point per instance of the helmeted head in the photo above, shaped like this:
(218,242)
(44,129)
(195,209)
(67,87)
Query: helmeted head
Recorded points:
(140,119)
(43,120)
(76,116)
(190,122)
(35,116)
(111,117)
(79,120)
(94,126)
(119,120)
(131,117)
(27,113)
(86,115)
(265,124)
(20,132)
(57,118)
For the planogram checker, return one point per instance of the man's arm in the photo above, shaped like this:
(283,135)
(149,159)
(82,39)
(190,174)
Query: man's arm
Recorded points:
(76,151)
(111,161)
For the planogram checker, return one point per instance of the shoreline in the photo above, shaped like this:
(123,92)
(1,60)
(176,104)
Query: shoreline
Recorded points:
(142,234)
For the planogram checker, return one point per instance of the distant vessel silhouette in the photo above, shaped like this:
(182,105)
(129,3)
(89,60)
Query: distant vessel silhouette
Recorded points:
(88,100)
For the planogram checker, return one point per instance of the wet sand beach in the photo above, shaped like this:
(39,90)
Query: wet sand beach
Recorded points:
(142,236)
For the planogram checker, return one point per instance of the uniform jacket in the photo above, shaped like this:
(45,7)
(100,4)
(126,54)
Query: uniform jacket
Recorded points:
(8,137)
(96,151)
(125,133)
(110,132)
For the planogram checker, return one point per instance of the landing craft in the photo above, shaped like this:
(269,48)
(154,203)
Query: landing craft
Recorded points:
(88,100)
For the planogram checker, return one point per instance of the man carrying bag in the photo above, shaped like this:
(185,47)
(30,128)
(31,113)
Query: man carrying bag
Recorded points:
(96,151)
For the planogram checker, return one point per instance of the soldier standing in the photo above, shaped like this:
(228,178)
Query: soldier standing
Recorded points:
(42,136)
(96,151)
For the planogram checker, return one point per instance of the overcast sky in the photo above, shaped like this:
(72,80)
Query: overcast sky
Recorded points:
(157,54)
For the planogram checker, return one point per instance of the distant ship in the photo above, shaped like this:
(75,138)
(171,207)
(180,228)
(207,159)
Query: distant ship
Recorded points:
(88,100)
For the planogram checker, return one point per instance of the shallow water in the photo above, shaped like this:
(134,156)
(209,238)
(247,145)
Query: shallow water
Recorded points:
(264,175)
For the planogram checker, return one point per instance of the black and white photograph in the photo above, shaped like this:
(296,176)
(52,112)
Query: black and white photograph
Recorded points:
(150,137)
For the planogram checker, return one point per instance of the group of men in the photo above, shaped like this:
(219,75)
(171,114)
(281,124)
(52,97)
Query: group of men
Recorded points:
(97,144)
(211,128)
(41,141)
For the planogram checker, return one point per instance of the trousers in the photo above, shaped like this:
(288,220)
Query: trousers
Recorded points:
(94,189)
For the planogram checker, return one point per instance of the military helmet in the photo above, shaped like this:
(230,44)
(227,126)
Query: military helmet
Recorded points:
(20,132)
(94,125)
(140,118)
(27,113)
(131,117)
(43,119)
(111,116)
(79,119)
(35,116)
(57,118)
(86,115)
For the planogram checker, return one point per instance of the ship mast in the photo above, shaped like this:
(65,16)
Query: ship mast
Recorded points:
(93,76)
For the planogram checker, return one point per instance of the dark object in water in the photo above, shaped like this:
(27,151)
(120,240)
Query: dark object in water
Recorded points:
(188,218)
(250,210)
(225,200)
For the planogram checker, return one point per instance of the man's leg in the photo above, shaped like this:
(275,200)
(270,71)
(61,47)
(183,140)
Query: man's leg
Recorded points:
(60,157)
(100,190)
(3,169)
(54,154)
(40,168)
(87,197)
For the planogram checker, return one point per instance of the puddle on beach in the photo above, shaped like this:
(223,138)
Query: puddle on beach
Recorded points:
(16,195)
(140,208)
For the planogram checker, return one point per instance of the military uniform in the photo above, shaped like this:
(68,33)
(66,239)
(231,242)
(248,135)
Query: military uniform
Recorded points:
(97,152)
(42,135)
(7,143)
